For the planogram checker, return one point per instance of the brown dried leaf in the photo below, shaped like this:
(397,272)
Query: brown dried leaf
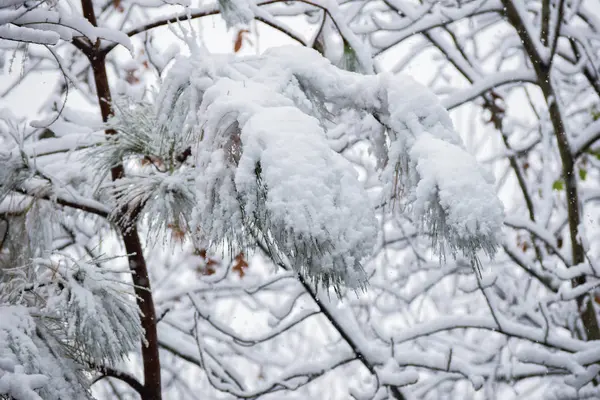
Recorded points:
(155,161)
(118,6)
(177,232)
(200,253)
(240,265)
(239,39)
(209,265)
(131,78)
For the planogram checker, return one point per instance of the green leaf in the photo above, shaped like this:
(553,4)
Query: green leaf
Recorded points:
(46,134)
(582,174)
(594,152)
(558,185)
(349,60)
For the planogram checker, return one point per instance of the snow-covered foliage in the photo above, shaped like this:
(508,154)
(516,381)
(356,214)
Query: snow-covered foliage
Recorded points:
(17,332)
(236,12)
(266,175)
(335,178)
(451,196)
(63,315)
(155,191)
(47,22)
(59,320)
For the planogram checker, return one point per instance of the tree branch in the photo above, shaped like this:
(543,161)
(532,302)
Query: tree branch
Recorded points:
(207,11)
(543,72)
(560,13)
(72,203)
(108,372)
(545,23)
(588,137)
(332,320)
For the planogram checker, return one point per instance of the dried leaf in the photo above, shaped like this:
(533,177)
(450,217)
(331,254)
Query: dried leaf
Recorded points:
(155,161)
(200,252)
(209,266)
(177,232)
(131,78)
(239,39)
(210,262)
(118,6)
(240,265)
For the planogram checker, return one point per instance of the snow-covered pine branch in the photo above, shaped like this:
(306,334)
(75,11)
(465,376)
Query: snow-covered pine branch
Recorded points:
(236,12)
(60,320)
(432,327)
(265,173)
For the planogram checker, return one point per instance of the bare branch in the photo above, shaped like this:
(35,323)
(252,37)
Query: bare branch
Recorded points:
(107,372)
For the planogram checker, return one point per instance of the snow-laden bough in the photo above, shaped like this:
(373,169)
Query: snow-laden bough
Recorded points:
(266,175)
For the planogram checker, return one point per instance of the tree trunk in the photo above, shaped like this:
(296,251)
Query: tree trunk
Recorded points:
(129,233)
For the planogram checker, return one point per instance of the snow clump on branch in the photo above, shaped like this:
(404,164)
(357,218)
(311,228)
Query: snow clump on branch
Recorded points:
(236,12)
(266,175)
(61,319)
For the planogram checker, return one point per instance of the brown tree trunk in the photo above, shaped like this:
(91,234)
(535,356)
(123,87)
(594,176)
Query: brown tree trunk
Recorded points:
(129,233)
